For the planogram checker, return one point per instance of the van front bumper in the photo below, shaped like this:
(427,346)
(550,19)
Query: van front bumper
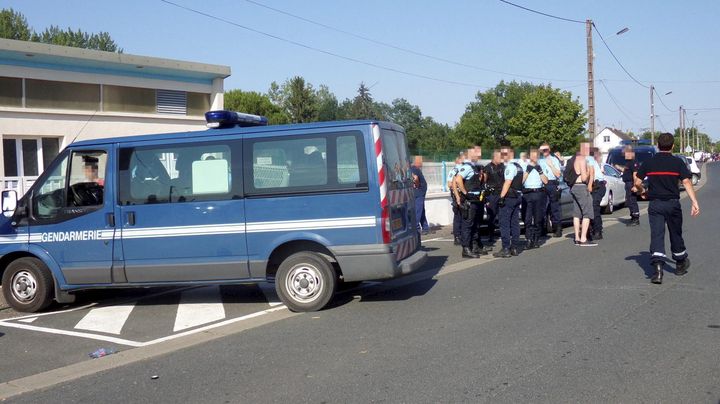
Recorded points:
(374,262)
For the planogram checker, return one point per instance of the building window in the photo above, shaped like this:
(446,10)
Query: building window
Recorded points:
(10,92)
(128,99)
(61,95)
(198,103)
(606,139)
(28,157)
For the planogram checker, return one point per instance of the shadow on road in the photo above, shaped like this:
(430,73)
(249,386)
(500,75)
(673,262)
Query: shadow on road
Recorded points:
(643,261)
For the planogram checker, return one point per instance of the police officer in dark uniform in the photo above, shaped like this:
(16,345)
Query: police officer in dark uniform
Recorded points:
(469,195)
(509,203)
(494,179)
(599,188)
(552,168)
(663,171)
(628,176)
(534,181)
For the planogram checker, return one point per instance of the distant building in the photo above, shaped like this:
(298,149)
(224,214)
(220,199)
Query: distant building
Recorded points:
(609,138)
(50,95)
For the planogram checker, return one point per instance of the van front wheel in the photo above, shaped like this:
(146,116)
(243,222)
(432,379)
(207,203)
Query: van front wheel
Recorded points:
(305,281)
(27,285)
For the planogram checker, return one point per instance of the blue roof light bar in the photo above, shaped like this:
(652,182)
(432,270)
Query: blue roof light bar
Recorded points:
(230,119)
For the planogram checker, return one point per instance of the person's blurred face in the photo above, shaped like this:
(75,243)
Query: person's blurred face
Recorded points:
(523,156)
(477,153)
(497,157)
(629,154)
(585,148)
(507,154)
(544,150)
(534,156)
(91,172)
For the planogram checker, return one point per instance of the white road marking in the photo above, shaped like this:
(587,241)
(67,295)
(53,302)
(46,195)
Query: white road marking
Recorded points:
(268,290)
(199,306)
(437,239)
(72,333)
(109,319)
(29,320)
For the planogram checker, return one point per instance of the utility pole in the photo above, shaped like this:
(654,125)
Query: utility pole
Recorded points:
(680,129)
(652,115)
(591,81)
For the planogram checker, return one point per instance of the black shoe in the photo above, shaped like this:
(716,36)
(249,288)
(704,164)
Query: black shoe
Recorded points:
(657,277)
(597,236)
(514,251)
(635,221)
(468,253)
(587,243)
(681,267)
(479,250)
(557,231)
(531,244)
(504,253)
(457,241)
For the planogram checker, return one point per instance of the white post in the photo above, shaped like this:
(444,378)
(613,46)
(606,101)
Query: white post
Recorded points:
(217,99)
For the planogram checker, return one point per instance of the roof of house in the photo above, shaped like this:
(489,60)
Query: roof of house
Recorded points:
(622,135)
(34,54)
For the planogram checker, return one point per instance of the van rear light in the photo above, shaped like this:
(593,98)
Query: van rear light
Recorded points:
(385,223)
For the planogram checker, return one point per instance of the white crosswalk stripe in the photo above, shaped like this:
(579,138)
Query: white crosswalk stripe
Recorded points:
(106,319)
(199,306)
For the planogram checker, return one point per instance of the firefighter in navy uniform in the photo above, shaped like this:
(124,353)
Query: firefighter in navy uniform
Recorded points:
(628,176)
(494,179)
(509,202)
(469,196)
(663,171)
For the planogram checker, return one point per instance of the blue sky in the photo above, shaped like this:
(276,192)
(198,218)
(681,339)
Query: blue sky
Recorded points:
(670,44)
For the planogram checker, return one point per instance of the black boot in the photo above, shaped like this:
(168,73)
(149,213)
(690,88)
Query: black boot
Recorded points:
(634,221)
(456,241)
(468,253)
(597,236)
(504,253)
(657,277)
(557,230)
(532,243)
(681,267)
(479,249)
(514,251)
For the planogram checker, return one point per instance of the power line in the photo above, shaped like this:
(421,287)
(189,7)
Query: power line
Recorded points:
(400,48)
(661,101)
(662,125)
(541,13)
(617,104)
(615,57)
(323,51)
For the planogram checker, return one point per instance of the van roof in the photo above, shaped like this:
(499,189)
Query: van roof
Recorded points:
(239,130)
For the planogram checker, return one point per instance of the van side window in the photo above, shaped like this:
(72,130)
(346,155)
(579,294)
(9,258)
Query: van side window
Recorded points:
(176,173)
(63,191)
(312,163)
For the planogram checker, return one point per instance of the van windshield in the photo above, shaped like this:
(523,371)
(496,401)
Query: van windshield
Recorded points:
(617,156)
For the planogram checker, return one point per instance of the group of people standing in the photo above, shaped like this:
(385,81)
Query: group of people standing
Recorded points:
(505,187)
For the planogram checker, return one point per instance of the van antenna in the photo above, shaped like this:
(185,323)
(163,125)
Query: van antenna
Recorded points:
(83,127)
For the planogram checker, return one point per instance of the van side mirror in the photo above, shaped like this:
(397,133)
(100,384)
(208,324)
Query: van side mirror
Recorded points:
(8,202)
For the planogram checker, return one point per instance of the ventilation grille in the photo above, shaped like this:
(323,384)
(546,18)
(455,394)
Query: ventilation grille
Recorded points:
(171,102)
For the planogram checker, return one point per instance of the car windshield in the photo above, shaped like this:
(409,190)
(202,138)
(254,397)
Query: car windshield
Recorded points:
(617,156)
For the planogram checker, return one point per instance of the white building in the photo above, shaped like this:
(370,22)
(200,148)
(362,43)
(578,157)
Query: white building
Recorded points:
(51,95)
(609,138)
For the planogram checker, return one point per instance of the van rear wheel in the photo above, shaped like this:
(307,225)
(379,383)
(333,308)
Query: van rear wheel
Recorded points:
(305,281)
(27,285)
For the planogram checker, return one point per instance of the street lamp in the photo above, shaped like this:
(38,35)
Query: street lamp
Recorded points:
(622,31)
(668,93)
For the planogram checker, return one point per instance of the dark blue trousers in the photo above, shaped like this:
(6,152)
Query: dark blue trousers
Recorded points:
(662,214)
(493,211)
(553,202)
(510,222)
(419,210)
(534,213)
(471,226)
(631,200)
(598,194)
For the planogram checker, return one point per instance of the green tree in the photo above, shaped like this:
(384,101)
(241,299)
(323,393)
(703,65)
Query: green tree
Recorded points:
(252,102)
(297,98)
(547,115)
(14,25)
(486,120)
(327,104)
(78,39)
(409,116)
(363,106)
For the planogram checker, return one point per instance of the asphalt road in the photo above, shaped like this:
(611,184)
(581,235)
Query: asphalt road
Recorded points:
(558,324)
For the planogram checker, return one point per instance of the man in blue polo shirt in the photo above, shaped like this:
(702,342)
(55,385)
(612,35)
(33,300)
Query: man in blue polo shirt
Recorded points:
(509,203)
(552,168)
(534,180)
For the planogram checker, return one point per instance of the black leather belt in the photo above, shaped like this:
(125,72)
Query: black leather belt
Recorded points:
(531,190)
(554,182)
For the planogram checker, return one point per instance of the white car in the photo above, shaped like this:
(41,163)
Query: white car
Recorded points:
(615,189)
(692,165)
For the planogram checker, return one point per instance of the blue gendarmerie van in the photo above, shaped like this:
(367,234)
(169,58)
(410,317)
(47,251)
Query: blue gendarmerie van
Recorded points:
(307,206)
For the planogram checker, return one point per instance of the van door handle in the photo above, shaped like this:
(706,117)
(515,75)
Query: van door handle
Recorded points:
(131,218)
(111,219)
